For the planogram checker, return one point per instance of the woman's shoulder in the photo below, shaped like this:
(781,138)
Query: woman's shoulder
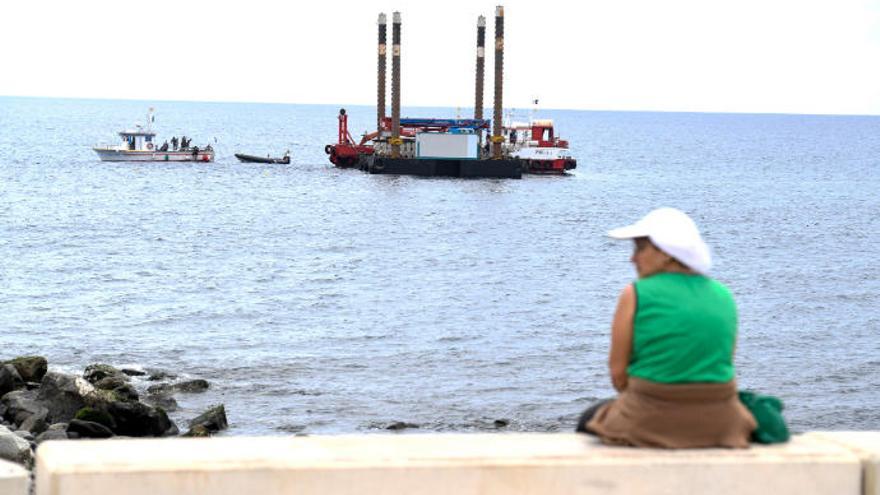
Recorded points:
(687,281)
(715,284)
(721,289)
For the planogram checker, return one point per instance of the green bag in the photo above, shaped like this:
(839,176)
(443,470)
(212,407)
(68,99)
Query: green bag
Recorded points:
(767,411)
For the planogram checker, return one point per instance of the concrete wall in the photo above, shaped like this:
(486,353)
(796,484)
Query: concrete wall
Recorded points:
(14,479)
(540,464)
(866,445)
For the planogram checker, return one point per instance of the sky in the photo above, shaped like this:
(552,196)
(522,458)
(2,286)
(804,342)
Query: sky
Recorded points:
(752,56)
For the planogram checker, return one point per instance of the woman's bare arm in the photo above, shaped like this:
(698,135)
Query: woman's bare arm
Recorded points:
(621,338)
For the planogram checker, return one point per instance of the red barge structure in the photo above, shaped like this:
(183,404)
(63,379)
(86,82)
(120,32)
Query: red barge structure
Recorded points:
(448,147)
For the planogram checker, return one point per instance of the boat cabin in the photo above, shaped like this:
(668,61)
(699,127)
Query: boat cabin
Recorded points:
(537,133)
(542,130)
(138,140)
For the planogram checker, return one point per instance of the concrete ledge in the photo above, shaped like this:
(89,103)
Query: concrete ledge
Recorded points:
(14,479)
(866,445)
(540,464)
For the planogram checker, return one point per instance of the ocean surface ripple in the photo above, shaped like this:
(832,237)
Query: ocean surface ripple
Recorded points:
(320,300)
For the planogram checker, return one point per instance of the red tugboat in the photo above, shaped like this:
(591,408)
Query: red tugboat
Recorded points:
(536,144)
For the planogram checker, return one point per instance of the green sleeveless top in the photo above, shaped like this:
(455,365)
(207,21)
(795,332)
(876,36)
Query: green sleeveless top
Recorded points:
(684,330)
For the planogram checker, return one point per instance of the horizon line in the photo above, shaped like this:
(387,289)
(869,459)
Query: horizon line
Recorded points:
(346,105)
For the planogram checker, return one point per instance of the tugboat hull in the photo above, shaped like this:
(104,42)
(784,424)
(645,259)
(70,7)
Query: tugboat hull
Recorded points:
(559,166)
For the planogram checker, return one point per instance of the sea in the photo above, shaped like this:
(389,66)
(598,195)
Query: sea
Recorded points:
(317,300)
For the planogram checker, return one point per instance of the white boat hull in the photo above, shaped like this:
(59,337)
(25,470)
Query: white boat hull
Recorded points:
(117,155)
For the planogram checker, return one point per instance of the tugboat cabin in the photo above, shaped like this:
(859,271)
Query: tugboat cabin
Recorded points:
(138,140)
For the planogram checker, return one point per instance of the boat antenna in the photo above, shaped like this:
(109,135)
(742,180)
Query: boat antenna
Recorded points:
(534,109)
(150,119)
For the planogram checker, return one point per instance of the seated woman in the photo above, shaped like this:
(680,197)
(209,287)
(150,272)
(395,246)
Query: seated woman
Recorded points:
(672,345)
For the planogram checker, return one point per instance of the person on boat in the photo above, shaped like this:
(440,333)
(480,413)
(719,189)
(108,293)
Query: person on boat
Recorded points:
(174,143)
(672,344)
(195,152)
(164,146)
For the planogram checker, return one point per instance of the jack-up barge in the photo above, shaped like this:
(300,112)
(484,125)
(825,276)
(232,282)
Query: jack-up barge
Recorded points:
(443,147)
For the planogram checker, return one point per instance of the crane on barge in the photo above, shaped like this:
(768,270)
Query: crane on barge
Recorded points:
(345,152)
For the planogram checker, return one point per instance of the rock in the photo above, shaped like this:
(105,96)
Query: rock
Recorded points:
(501,423)
(57,427)
(30,368)
(9,379)
(20,405)
(72,435)
(156,375)
(25,434)
(88,429)
(133,372)
(192,386)
(95,416)
(64,395)
(198,431)
(14,448)
(173,431)
(400,425)
(214,420)
(110,382)
(126,392)
(137,419)
(94,373)
(51,435)
(160,389)
(166,402)
(36,423)
(186,386)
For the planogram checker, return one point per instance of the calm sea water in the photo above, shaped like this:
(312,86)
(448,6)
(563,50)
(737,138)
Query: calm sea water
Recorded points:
(320,300)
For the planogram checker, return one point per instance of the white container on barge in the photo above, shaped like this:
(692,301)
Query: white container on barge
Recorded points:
(452,146)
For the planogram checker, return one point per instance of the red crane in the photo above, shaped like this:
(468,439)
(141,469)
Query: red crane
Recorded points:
(345,153)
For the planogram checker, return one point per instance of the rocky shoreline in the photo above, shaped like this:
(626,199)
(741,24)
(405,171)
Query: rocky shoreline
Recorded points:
(38,405)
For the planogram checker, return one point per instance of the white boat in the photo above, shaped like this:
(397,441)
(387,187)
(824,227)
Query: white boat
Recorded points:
(140,145)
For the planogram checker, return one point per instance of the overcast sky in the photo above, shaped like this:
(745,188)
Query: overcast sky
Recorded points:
(788,56)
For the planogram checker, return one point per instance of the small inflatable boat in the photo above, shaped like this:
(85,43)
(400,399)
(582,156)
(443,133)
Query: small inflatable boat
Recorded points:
(260,159)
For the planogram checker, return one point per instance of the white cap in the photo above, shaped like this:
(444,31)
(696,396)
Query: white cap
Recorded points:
(674,233)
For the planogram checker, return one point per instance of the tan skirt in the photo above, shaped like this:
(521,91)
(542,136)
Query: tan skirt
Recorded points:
(675,416)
